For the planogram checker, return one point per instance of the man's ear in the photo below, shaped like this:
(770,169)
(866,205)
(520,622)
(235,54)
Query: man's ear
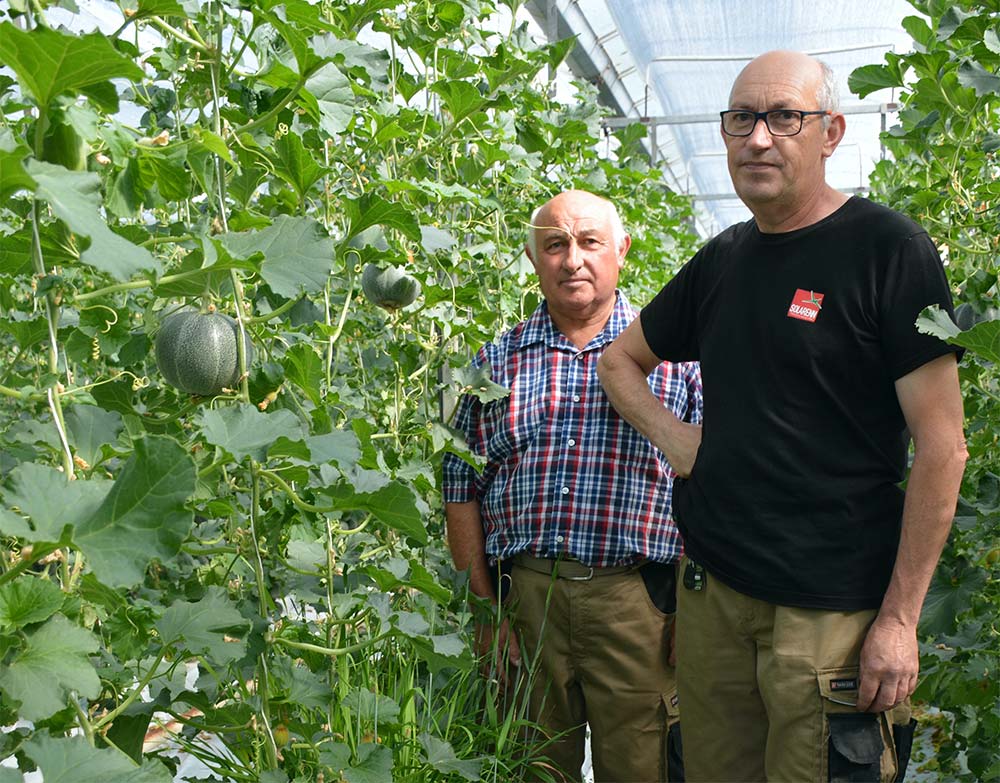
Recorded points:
(531,258)
(626,244)
(833,134)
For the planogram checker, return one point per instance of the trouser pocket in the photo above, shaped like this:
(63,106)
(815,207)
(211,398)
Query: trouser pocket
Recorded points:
(660,580)
(672,749)
(859,746)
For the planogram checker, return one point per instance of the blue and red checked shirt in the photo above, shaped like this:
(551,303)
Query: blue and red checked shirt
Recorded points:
(565,475)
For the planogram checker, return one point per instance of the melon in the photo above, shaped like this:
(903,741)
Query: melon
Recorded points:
(197,352)
(390,287)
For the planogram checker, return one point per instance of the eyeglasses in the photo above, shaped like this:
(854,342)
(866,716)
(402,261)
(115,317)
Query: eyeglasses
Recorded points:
(780,122)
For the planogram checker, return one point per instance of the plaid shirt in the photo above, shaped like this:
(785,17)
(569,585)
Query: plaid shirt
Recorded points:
(565,476)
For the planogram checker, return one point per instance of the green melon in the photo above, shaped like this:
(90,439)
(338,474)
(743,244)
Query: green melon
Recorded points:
(61,144)
(197,352)
(390,288)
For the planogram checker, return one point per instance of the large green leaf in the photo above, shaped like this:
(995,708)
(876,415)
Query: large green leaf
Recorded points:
(478,381)
(871,78)
(295,164)
(298,254)
(74,760)
(372,210)
(305,368)
(983,338)
(28,600)
(49,63)
(329,98)
(13,177)
(948,598)
(75,199)
(460,98)
(50,501)
(244,431)
(972,74)
(393,503)
(90,428)
(368,706)
(441,756)
(374,765)
(143,516)
(212,626)
(52,666)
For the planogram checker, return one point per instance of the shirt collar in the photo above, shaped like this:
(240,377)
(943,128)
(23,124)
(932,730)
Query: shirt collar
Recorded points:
(539,327)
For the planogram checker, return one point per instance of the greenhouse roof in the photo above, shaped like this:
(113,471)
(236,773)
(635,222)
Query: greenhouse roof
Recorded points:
(672,64)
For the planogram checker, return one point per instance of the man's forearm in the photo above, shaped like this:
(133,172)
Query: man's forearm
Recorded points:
(931,496)
(625,383)
(467,543)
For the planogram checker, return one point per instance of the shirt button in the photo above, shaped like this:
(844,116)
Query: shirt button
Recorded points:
(560,539)
(576,398)
(572,442)
(565,490)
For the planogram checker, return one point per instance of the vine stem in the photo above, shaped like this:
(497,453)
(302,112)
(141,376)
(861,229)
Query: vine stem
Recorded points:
(136,691)
(263,594)
(331,651)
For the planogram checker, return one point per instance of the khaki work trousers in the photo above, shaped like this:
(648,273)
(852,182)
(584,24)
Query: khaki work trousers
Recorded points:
(596,651)
(768,693)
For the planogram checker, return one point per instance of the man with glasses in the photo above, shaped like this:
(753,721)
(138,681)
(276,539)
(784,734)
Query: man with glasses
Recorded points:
(806,564)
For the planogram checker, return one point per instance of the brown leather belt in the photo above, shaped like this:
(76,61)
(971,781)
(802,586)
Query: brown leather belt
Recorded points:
(573,570)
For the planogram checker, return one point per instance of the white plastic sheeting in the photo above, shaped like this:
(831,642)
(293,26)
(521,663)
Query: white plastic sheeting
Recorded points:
(719,37)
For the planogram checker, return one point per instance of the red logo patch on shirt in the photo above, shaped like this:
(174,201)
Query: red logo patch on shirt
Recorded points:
(805,305)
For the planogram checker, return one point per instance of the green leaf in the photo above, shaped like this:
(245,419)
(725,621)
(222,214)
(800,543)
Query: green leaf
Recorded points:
(304,367)
(871,78)
(244,431)
(983,338)
(374,765)
(478,382)
(972,74)
(74,760)
(950,21)
(372,210)
(49,63)
(991,38)
(433,239)
(919,31)
(293,163)
(13,177)
(202,627)
(298,254)
(394,504)
(305,688)
(28,600)
(53,665)
(75,199)
(461,99)
(369,706)
(12,525)
(328,97)
(339,447)
(143,516)
(51,502)
(948,598)
(90,428)
(441,756)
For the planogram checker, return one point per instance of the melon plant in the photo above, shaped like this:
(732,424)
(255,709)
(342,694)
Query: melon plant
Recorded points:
(390,288)
(62,145)
(197,352)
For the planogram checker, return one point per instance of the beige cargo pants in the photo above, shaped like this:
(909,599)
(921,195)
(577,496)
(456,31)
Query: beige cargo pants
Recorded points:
(597,651)
(769,692)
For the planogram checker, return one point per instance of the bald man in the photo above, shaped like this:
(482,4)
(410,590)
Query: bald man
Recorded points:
(573,509)
(806,564)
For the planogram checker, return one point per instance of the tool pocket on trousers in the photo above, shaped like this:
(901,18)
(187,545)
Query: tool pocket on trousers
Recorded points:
(903,728)
(672,748)
(859,747)
(660,581)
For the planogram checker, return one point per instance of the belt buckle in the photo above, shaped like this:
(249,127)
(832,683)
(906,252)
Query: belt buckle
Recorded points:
(586,578)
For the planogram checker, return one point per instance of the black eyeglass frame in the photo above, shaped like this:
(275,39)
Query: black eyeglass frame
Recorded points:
(762,115)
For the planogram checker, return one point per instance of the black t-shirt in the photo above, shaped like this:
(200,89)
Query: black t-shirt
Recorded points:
(794,497)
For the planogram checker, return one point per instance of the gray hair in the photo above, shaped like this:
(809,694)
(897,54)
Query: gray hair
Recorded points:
(828,94)
(618,233)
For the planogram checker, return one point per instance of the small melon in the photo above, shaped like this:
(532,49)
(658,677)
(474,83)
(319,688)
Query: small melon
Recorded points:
(197,352)
(390,288)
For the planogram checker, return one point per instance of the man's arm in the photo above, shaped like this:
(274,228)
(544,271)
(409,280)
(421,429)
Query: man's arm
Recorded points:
(932,405)
(623,369)
(468,551)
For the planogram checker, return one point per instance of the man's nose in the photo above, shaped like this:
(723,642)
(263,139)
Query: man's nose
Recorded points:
(760,136)
(574,256)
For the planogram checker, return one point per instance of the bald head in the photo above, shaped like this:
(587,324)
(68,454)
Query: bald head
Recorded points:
(815,75)
(597,205)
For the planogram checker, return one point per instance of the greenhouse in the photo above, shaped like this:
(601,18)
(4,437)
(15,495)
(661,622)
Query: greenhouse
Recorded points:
(487,390)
